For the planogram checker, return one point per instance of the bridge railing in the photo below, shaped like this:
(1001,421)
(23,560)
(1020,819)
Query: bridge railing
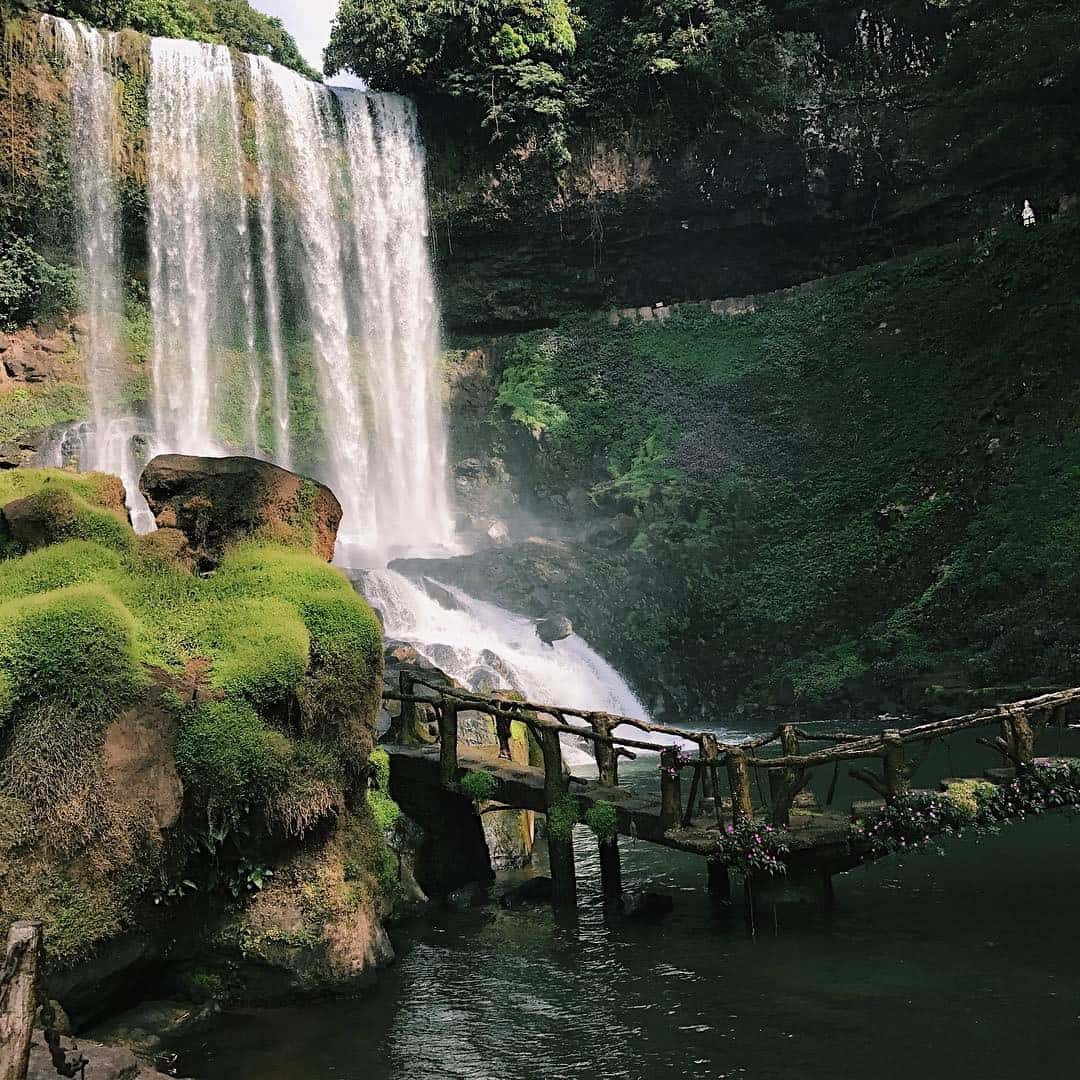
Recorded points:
(789,771)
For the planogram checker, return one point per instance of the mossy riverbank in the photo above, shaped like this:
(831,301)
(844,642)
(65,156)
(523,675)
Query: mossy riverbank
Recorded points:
(243,704)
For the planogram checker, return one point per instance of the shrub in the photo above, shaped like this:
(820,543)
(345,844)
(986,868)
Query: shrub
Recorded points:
(31,287)
(752,847)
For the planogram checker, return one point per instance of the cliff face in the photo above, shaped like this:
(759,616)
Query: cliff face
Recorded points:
(883,145)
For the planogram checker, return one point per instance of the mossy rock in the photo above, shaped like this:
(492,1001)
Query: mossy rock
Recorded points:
(217,502)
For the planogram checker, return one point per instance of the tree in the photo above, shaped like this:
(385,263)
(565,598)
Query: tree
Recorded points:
(507,59)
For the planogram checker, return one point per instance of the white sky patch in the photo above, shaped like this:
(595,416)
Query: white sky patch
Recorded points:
(309,22)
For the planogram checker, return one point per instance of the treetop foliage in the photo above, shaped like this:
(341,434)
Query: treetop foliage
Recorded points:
(224,22)
(533,73)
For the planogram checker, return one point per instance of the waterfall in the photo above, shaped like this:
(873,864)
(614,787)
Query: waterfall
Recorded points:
(294,317)
(201,292)
(106,444)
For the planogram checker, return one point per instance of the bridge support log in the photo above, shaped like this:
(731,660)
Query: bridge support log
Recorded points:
(18,997)
(448,734)
(895,773)
(560,848)
(670,789)
(610,869)
(718,882)
(742,807)
(784,784)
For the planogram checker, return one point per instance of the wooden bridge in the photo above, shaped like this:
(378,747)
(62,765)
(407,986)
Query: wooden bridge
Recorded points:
(719,793)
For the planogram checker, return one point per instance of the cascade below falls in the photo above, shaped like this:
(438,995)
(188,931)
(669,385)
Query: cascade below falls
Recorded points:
(293,307)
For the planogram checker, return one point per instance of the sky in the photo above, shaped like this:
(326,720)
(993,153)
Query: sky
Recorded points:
(309,22)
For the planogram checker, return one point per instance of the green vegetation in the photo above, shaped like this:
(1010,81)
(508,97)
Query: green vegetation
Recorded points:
(478,786)
(864,490)
(31,287)
(225,22)
(279,730)
(530,72)
(916,819)
(27,409)
(562,816)
(549,75)
(603,820)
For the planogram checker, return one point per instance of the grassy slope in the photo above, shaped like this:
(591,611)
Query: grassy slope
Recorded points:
(868,487)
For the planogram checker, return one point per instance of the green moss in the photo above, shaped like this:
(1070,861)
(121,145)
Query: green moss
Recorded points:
(58,566)
(76,647)
(478,786)
(263,649)
(227,754)
(61,515)
(79,917)
(602,819)
(383,808)
(80,621)
(562,816)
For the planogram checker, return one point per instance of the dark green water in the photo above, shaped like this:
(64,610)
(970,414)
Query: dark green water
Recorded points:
(965,964)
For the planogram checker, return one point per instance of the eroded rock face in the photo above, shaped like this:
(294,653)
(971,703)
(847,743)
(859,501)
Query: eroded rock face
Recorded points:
(103,1062)
(215,502)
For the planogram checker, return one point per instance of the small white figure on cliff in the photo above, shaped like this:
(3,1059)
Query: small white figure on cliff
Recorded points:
(1027,215)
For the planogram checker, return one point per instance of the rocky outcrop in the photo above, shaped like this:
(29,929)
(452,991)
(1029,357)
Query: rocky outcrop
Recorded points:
(313,929)
(41,354)
(102,1062)
(216,502)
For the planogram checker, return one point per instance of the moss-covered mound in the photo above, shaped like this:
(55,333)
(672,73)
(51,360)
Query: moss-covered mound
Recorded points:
(264,677)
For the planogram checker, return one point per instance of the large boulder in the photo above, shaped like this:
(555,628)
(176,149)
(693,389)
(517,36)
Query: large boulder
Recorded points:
(215,502)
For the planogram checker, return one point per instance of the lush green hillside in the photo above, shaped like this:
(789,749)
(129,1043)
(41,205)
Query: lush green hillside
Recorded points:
(859,493)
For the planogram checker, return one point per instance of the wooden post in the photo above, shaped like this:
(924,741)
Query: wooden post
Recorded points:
(607,760)
(894,772)
(607,767)
(560,848)
(410,719)
(783,783)
(670,788)
(709,752)
(448,729)
(1021,739)
(18,998)
(502,733)
(742,809)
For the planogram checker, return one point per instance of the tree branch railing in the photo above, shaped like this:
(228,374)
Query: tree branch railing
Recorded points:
(789,771)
